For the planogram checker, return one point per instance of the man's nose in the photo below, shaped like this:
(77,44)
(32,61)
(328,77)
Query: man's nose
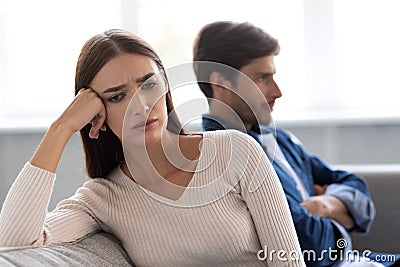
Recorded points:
(276,90)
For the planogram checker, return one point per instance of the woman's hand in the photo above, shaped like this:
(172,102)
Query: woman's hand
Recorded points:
(87,107)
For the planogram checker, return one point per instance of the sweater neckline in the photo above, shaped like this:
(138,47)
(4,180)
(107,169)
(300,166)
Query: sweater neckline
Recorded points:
(188,195)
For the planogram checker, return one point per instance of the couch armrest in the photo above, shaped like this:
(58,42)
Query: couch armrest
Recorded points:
(384,185)
(97,249)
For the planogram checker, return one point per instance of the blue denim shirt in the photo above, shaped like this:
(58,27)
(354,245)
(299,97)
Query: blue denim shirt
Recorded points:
(314,233)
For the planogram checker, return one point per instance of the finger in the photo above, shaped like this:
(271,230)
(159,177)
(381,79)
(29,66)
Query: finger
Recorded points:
(93,134)
(98,123)
(82,90)
(102,116)
(320,190)
(94,131)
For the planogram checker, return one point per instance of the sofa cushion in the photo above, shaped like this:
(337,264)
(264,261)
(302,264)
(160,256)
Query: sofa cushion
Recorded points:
(384,185)
(97,249)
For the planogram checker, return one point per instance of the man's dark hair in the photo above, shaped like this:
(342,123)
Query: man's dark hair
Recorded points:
(229,43)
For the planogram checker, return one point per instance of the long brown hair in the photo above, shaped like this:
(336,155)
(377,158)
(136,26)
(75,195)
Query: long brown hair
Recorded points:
(105,153)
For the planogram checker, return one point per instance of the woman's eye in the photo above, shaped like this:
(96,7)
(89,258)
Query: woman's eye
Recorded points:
(148,85)
(116,98)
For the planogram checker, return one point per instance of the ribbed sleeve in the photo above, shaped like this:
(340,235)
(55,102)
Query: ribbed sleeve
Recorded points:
(24,219)
(25,207)
(265,198)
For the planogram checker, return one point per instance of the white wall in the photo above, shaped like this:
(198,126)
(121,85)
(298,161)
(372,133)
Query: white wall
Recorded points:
(348,143)
(17,147)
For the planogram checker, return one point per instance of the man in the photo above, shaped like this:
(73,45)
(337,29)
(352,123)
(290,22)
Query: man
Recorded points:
(325,204)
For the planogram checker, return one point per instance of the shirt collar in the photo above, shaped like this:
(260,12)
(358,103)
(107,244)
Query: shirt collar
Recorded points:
(212,123)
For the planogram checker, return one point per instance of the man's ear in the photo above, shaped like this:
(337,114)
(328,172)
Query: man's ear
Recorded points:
(218,82)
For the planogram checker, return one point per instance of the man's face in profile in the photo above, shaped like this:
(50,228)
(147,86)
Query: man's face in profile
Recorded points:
(252,107)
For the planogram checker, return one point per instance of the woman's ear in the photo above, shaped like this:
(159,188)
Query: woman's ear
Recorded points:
(218,82)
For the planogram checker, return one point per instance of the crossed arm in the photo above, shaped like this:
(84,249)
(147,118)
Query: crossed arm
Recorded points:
(328,206)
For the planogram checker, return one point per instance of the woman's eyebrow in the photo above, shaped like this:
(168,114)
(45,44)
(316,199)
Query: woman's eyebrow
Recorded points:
(122,86)
(144,78)
(114,89)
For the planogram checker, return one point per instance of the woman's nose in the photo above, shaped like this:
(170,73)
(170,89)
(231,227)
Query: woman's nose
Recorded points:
(139,105)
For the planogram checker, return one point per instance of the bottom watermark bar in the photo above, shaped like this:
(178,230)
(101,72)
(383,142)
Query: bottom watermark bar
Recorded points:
(334,255)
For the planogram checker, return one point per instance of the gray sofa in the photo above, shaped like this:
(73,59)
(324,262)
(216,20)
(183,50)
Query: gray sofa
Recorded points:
(97,249)
(384,185)
(101,249)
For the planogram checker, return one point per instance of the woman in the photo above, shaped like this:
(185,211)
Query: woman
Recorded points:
(218,203)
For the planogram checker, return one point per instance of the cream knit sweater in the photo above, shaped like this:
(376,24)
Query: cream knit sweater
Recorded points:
(233,207)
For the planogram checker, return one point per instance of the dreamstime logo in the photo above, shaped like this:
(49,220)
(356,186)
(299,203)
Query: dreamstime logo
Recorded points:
(341,243)
(152,95)
(339,254)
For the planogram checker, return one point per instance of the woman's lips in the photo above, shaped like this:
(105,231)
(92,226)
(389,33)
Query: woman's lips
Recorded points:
(142,126)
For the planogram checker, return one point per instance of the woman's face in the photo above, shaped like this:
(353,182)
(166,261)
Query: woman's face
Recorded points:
(127,83)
